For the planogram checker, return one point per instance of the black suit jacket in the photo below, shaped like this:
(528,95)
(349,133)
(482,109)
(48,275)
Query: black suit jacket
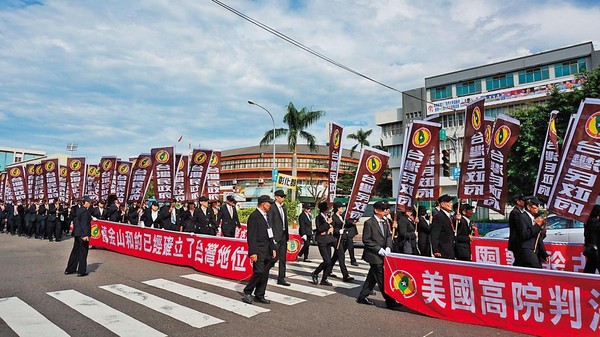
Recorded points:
(227,222)
(205,224)
(528,232)
(305,224)
(52,212)
(258,239)
(514,238)
(279,225)
(374,240)
(147,219)
(321,235)
(463,241)
(100,214)
(82,227)
(442,235)
(132,215)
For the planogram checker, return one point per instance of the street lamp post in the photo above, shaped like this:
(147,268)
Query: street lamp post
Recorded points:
(251,102)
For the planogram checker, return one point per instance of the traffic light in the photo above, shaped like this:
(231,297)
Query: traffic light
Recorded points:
(446,163)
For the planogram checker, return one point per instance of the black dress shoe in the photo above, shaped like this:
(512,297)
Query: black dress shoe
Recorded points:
(364,301)
(69,272)
(325,283)
(348,279)
(283,283)
(354,263)
(333,275)
(82,274)
(261,300)
(315,278)
(247,298)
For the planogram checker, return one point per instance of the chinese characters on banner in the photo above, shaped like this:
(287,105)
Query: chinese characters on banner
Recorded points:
(287,181)
(335,157)
(30,178)
(75,178)
(371,165)
(62,184)
(3,186)
(548,161)
(488,128)
(530,301)
(420,141)
(223,257)
(294,244)
(90,182)
(429,186)
(198,168)
(51,178)
(505,134)
(122,180)
(577,185)
(182,182)
(140,178)
(18,184)
(164,171)
(107,171)
(39,192)
(471,184)
(213,178)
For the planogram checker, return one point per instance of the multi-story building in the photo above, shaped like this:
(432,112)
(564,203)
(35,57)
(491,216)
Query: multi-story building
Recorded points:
(10,155)
(505,85)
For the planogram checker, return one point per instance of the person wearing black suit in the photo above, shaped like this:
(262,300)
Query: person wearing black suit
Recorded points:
(190,219)
(406,232)
(279,223)
(443,230)
(151,216)
(30,218)
(112,206)
(531,235)
(11,224)
(81,243)
(166,213)
(340,233)
(120,215)
(424,233)
(132,213)
(261,250)
(42,216)
(514,243)
(206,221)
(305,231)
(463,233)
(378,241)
(73,214)
(591,234)
(228,217)
(53,227)
(325,241)
(100,212)
(3,216)
(19,215)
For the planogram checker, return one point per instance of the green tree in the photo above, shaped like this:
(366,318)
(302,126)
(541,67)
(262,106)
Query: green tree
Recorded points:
(297,122)
(524,158)
(360,136)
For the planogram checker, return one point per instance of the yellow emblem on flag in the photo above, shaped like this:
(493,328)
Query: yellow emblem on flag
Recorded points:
(421,137)
(373,164)
(476,118)
(502,136)
(592,125)
(404,283)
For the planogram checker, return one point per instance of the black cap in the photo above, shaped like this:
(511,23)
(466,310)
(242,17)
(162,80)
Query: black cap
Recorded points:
(231,198)
(518,197)
(445,198)
(262,198)
(306,206)
(338,204)
(422,211)
(86,199)
(532,200)
(323,206)
(466,207)
(280,193)
(380,205)
(154,203)
(203,198)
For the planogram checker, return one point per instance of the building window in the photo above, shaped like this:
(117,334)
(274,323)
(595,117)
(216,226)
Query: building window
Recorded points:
(534,75)
(452,120)
(441,92)
(499,82)
(493,112)
(468,88)
(569,68)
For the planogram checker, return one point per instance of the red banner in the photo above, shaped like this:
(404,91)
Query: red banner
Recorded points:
(294,244)
(198,167)
(219,256)
(563,256)
(335,158)
(164,171)
(122,180)
(577,185)
(182,182)
(548,161)
(51,173)
(91,185)
(140,178)
(39,192)
(3,186)
(75,178)
(531,301)
(107,171)
(18,184)
(472,167)
(62,184)
(213,177)
(30,177)
(429,186)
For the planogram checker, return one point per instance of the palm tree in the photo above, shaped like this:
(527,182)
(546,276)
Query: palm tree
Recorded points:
(297,122)
(361,138)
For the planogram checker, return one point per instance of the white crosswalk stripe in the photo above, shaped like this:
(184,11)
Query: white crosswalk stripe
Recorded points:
(355,270)
(301,288)
(310,270)
(169,308)
(334,282)
(25,321)
(235,306)
(273,296)
(112,319)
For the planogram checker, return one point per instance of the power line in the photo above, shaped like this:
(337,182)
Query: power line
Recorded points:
(316,53)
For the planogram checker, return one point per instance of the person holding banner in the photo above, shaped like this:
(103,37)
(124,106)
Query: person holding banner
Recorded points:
(325,240)
(30,218)
(53,222)
(424,233)
(40,224)
(261,250)
(151,216)
(305,231)
(340,233)
(377,240)
(205,219)
(405,241)
(514,244)
(591,233)
(81,243)
(279,223)
(228,217)
(443,229)
(189,219)
(531,234)
(463,232)
(132,213)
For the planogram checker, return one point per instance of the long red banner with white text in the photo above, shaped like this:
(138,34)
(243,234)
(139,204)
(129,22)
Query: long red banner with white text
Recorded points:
(531,301)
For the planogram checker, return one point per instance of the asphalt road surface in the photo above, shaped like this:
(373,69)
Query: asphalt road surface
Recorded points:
(128,296)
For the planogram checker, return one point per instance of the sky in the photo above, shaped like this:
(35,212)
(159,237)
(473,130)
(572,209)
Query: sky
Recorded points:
(119,77)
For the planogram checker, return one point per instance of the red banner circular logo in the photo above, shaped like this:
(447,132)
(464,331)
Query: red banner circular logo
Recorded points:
(592,126)
(336,139)
(487,134)
(421,138)
(106,164)
(199,158)
(162,156)
(403,282)
(502,136)
(476,118)
(123,168)
(75,165)
(144,162)
(373,164)
(63,171)
(49,166)
(214,160)
(293,246)
(15,172)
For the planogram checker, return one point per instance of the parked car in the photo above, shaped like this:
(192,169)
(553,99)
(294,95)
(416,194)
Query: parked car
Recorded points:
(558,229)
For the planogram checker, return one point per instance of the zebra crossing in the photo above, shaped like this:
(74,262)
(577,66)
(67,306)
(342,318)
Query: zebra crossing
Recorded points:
(24,320)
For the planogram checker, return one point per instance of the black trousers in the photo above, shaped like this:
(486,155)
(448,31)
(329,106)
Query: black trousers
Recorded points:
(530,259)
(325,266)
(260,276)
(78,258)
(305,248)
(375,276)
(281,255)
(40,227)
(54,229)
(351,250)
(591,265)
(339,255)
(424,244)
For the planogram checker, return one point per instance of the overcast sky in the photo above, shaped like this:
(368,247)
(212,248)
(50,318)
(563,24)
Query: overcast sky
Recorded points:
(119,77)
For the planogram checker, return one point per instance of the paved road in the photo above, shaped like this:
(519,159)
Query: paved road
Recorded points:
(128,296)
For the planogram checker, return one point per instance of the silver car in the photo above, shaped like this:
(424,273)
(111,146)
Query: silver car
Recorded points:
(558,229)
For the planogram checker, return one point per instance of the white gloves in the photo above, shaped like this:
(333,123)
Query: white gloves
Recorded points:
(381,252)
(304,237)
(341,231)
(388,251)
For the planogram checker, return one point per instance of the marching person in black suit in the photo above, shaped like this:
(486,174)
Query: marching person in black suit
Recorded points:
(112,206)
(190,222)
(81,243)
(53,226)
(340,233)
(42,215)
(443,230)
(514,243)
(262,251)
(120,215)
(591,234)
(100,212)
(305,231)
(11,223)
(532,232)
(30,218)
(463,233)
(424,233)
(206,224)
(166,214)
(325,241)
(3,216)
(74,210)
(377,240)
(228,217)
(151,216)
(406,233)
(279,223)
(133,216)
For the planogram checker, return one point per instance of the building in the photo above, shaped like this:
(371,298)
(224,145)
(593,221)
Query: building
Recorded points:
(249,168)
(10,155)
(505,85)
(62,160)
